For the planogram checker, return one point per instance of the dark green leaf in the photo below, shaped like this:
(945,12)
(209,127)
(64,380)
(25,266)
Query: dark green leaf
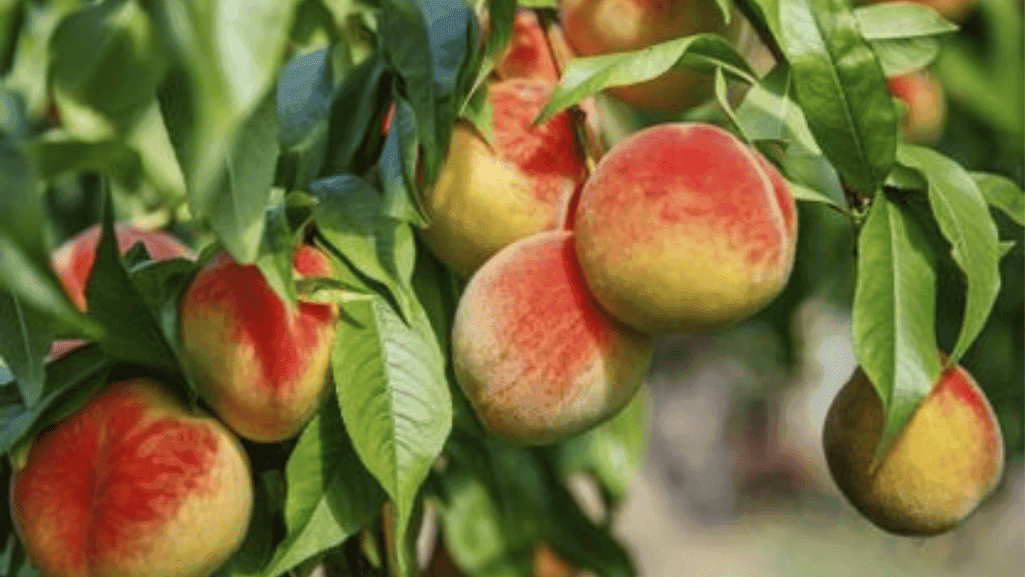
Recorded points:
(398,165)
(133,333)
(841,88)
(359,100)
(305,88)
(69,383)
(894,304)
(964,219)
(25,337)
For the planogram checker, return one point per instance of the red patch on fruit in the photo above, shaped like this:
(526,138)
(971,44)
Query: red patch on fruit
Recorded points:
(110,476)
(551,321)
(548,154)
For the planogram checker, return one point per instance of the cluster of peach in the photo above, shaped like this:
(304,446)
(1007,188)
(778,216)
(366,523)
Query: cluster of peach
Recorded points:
(679,227)
(134,483)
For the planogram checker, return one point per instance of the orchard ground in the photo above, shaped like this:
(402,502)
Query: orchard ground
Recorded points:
(707,503)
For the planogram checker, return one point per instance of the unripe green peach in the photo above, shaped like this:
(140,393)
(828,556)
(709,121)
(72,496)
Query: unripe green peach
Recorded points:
(487,197)
(132,484)
(683,227)
(73,261)
(948,457)
(261,363)
(535,355)
(926,106)
(596,27)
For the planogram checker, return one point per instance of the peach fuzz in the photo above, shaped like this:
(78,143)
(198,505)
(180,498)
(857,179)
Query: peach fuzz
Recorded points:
(132,484)
(73,261)
(487,197)
(535,355)
(926,106)
(947,458)
(596,27)
(261,363)
(683,227)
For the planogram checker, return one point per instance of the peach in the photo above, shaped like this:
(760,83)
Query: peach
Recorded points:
(941,465)
(926,106)
(530,52)
(487,197)
(261,363)
(683,227)
(535,355)
(596,27)
(73,261)
(132,484)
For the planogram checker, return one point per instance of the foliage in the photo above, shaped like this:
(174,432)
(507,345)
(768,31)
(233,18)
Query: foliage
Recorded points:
(253,124)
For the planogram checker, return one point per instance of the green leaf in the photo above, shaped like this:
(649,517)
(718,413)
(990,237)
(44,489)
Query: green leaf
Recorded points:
(769,112)
(359,100)
(330,493)
(25,337)
(59,152)
(393,395)
(901,56)
(349,215)
(614,450)
(133,333)
(69,383)
(161,284)
(894,20)
(398,166)
(226,57)
(237,211)
(584,77)
(305,87)
(21,206)
(841,88)
(107,57)
(1002,193)
(964,219)
(894,304)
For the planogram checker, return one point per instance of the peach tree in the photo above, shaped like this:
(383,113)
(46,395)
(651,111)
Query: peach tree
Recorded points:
(300,157)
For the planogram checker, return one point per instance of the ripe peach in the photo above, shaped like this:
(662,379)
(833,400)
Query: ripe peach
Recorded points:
(486,198)
(529,54)
(683,227)
(73,261)
(595,27)
(132,484)
(535,355)
(948,457)
(926,106)
(260,362)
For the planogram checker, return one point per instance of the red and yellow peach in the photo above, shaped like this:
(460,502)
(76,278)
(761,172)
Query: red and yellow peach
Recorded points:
(943,463)
(683,227)
(132,484)
(258,361)
(536,356)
